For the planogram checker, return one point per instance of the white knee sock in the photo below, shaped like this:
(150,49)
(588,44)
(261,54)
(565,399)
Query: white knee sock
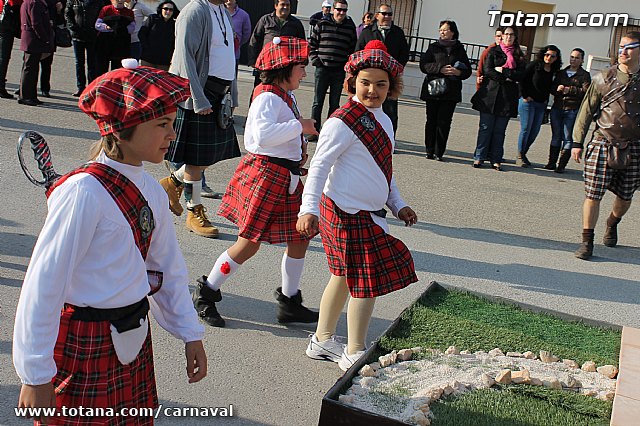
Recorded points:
(179,174)
(195,192)
(222,269)
(291,273)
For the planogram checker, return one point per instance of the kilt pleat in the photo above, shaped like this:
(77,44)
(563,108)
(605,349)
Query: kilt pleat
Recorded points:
(90,374)
(598,177)
(257,200)
(374,262)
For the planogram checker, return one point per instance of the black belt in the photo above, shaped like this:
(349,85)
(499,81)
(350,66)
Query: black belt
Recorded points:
(217,86)
(380,213)
(124,318)
(292,166)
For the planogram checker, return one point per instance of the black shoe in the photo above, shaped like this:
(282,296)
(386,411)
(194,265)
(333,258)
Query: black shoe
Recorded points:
(585,251)
(430,156)
(477,164)
(5,95)
(525,160)
(78,93)
(204,300)
(610,238)
(439,158)
(497,167)
(29,102)
(290,309)
(45,94)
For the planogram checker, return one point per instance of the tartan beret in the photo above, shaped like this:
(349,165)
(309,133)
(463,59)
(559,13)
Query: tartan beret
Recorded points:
(127,97)
(374,55)
(282,52)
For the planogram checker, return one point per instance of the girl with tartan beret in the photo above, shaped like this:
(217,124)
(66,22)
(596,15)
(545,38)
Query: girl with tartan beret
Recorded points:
(264,194)
(349,182)
(108,254)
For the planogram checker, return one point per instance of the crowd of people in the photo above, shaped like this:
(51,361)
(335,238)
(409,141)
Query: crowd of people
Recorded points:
(181,117)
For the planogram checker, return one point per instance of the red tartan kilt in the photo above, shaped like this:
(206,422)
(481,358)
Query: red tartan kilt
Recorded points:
(90,375)
(258,201)
(374,262)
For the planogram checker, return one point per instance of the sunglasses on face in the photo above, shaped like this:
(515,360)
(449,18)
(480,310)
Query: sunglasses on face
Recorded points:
(339,9)
(629,46)
(170,9)
(550,55)
(386,13)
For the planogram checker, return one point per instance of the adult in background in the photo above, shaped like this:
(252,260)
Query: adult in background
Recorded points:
(7,35)
(81,16)
(242,34)
(497,98)
(275,24)
(535,88)
(568,89)
(157,36)
(140,12)
(332,41)
(367,20)
(614,95)
(36,42)
(324,13)
(204,55)
(56,11)
(497,37)
(393,37)
(115,24)
(446,60)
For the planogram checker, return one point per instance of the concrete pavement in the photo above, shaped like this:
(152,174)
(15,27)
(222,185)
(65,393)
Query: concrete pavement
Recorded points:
(509,234)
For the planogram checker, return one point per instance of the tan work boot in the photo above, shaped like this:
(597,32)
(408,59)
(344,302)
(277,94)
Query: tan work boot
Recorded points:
(174,192)
(198,222)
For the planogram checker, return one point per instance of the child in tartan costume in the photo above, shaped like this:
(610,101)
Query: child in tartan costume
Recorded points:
(349,182)
(108,254)
(263,197)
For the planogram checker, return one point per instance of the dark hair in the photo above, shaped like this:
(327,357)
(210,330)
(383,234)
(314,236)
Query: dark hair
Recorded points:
(518,54)
(452,26)
(278,75)
(580,51)
(111,144)
(340,1)
(275,2)
(176,11)
(635,35)
(395,85)
(540,56)
(369,14)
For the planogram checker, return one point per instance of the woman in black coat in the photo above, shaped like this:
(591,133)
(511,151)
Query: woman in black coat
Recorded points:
(497,97)
(446,62)
(157,36)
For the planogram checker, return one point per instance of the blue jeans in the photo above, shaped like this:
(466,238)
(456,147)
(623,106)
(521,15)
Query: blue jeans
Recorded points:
(491,133)
(79,49)
(326,79)
(562,122)
(531,115)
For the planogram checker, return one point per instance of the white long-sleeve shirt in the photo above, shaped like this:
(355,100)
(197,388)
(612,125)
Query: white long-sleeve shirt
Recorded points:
(345,171)
(86,256)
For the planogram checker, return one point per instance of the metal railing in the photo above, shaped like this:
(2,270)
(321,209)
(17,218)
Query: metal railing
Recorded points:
(419,45)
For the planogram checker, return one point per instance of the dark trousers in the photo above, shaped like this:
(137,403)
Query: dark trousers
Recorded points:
(438,125)
(85,52)
(29,77)
(102,64)
(390,107)
(6,44)
(330,79)
(45,73)
(491,132)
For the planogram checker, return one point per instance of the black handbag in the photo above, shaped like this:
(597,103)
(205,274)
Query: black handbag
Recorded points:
(62,36)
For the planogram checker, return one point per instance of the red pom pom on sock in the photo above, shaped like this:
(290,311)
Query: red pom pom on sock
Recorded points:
(225,268)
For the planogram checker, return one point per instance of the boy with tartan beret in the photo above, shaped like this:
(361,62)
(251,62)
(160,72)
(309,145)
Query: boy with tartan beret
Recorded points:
(350,180)
(264,194)
(108,254)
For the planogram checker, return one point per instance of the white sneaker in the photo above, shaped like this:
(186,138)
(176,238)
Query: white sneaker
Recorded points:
(346,361)
(329,350)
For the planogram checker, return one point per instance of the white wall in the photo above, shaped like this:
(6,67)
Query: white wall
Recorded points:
(307,8)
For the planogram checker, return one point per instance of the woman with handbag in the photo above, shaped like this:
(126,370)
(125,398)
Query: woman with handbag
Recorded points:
(497,98)
(157,36)
(445,64)
(9,30)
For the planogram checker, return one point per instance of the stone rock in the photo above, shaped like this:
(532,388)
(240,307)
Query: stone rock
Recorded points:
(535,381)
(487,380)
(514,354)
(394,356)
(465,352)
(367,371)
(416,350)
(529,355)
(571,364)
(548,357)
(570,382)
(346,399)
(589,366)
(452,350)
(435,393)
(357,390)
(457,386)
(385,360)
(447,390)
(419,418)
(504,377)
(610,371)
(425,409)
(588,392)
(375,365)
(405,354)
(521,377)
(479,353)
(496,352)
(420,402)
(607,395)
(367,382)
(552,383)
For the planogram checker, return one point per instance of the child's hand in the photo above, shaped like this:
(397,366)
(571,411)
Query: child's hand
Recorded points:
(408,215)
(307,225)
(196,361)
(308,126)
(37,396)
(305,157)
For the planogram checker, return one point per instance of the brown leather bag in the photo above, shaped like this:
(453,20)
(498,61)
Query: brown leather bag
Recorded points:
(618,154)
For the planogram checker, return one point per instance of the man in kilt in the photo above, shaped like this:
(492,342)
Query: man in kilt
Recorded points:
(204,54)
(349,182)
(263,197)
(614,99)
(106,255)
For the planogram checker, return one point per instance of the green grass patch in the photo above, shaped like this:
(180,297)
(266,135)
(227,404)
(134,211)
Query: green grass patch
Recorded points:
(443,318)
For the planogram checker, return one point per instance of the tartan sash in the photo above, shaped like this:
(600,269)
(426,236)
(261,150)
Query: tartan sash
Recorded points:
(127,196)
(365,126)
(277,90)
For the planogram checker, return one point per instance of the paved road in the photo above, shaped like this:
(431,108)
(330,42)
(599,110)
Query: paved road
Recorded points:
(508,234)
